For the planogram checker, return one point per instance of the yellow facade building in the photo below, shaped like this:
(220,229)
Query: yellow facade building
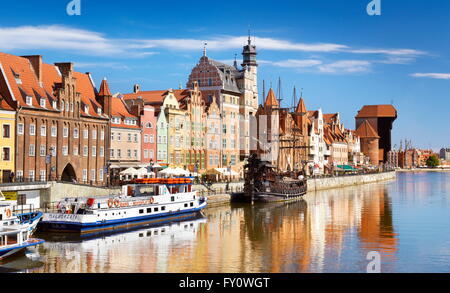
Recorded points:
(7,141)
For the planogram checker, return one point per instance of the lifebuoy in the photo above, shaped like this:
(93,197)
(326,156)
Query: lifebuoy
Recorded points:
(152,200)
(110,203)
(8,213)
(116,203)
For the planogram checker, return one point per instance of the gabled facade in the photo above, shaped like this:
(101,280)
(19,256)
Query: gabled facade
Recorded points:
(318,148)
(61,126)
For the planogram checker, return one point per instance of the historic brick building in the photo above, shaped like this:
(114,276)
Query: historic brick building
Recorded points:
(236,93)
(61,125)
(369,142)
(381,119)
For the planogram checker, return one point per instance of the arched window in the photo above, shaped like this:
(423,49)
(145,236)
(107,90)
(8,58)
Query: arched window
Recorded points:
(149,125)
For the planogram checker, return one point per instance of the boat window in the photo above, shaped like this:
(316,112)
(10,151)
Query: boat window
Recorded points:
(173,198)
(149,233)
(156,209)
(141,211)
(185,205)
(149,210)
(192,204)
(163,208)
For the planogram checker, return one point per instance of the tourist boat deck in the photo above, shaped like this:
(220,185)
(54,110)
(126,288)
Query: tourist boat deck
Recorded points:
(145,201)
(15,234)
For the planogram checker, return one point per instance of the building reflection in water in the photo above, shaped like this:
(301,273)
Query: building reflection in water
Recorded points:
(328,231)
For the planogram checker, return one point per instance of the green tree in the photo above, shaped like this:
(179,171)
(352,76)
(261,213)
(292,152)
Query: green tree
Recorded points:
(433,162)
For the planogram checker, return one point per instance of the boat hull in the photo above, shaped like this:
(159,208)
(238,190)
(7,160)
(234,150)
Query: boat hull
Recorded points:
(7,252)
(265,197)
(126,223)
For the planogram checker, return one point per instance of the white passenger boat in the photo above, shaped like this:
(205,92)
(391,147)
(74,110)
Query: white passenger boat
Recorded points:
(147,201)
(14,234)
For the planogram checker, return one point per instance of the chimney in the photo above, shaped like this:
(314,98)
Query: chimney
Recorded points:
(36,63)
(137,88)
(65,68)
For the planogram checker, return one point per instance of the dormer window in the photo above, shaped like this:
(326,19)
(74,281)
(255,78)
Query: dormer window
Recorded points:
(42,103)
(55,105)
(99,111)
(29,100)
(86,109)
(17,78)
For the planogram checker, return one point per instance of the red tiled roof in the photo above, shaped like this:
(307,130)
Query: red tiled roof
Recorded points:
(4,105)
(271,99)
(375,111)
(104,89)
(365,130)
(27,84)
(154,97)
(330,118)
(120,110)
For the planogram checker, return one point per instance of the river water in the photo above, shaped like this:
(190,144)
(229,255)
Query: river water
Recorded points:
(407,221)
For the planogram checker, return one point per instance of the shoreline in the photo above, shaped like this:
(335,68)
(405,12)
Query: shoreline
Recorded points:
(423,170)
(319,184)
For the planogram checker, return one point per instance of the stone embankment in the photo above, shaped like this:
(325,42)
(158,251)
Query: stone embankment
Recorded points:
(217,193)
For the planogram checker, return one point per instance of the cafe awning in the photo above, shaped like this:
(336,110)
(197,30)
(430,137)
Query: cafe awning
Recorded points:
(346,168)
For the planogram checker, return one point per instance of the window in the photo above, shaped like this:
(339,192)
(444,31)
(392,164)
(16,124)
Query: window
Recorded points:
(43,130)
(20,128)
(102,152)
(76,133)
(141,211)
(65,132)
(146,138)
(75,151)
(54,131)
(163,208)
(31,175)
(94,151)
(42,103)
(65,151)
(29,100)
(6,154)
(152,154)
(43,151)
(119,137)
(119,154)
(71,107)
(149,125)
(136,138)
(156,210)
(6,131)
(112,136)
(145,154)
(129,153)
(94,134)
(129,137)
(55,105)
(86,134)
(42,175)
(152,138)
(102,135)
(149,210)
(32,129)
(19,175)
(100,176)
(112,153)
(85,151)
(31,151)
(135,153)
(93,175)
(86,109)
(53,151)
(210,83)
(84,175)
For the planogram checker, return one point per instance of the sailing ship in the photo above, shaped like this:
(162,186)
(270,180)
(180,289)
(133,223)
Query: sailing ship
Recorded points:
(264,184)
(145,201)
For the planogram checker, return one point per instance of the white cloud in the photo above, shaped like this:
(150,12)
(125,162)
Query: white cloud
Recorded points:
(346,66)
(294,63)
(432,75)
(57,37)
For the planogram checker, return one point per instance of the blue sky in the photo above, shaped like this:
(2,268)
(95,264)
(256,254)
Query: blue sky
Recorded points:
(340,56)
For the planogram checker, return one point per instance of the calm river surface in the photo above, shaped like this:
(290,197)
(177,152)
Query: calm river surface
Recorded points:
(407,221)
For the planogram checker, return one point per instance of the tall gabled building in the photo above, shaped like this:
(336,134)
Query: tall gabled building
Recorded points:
(236,93)
(61,126)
